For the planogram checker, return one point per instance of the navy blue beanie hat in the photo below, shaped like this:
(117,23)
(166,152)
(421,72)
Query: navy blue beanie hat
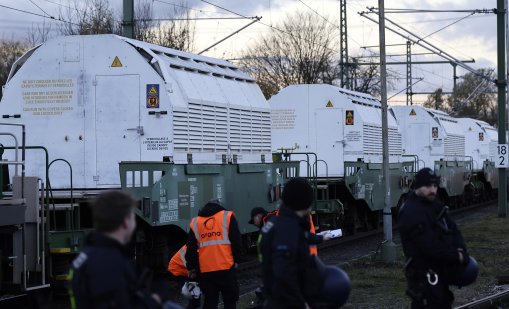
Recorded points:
(425,177)
(297,194)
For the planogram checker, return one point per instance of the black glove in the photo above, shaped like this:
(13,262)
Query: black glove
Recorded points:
(466,258)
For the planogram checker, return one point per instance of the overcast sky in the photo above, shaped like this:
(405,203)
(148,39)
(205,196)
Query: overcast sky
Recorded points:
(473,37)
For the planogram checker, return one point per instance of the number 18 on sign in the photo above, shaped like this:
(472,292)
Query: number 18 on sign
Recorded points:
(502,160)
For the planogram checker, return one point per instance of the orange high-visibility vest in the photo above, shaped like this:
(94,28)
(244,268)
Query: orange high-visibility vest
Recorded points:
(214,246)
(313,249)
(177,264)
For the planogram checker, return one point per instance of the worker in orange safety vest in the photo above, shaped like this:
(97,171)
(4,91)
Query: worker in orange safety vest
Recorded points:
(213,251)
(177,267)
(177,264)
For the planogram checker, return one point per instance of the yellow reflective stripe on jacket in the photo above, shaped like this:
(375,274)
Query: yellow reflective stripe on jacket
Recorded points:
(72,299)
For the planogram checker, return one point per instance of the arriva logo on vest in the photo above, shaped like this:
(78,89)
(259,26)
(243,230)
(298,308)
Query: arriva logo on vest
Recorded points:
(210,234)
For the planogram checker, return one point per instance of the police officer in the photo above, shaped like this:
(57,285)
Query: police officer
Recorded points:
(103,275)
(260,216)
(213,251)
(433,245)
(284,248)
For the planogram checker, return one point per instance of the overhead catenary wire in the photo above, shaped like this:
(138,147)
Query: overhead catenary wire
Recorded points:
(359,7)
(186,7)
(437,20)
(227,37)
(447,26)
(370,51)
(40,8)
(40,15)
(270,26)
(374,10)
(337,26)
(476,92)
(187,18)
(418,80)
(367,49)
(423,43)
(225,9)
(474,11)
(60,4)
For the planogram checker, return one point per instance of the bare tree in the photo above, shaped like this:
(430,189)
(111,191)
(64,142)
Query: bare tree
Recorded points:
(476,96)
(89,17)
(38,34)
(437,100)
(176,34)
(301,52)
(10,51)
(366,78)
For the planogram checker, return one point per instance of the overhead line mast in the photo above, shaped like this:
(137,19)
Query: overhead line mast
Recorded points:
(415,39)
(343,47)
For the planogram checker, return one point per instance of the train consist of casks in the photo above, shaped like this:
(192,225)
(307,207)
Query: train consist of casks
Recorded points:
(86,113)
(184,128)
(448,146)
(338,134)
(481,141)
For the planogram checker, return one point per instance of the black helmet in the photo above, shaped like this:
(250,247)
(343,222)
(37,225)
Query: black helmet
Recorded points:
(256,211)
(468,275)
(425,177)
(297,194)
(336,288)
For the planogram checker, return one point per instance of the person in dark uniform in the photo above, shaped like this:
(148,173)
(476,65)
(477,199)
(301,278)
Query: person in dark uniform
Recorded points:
(259,216)
(103,274)
(213,253)
(432,243)
(284,249)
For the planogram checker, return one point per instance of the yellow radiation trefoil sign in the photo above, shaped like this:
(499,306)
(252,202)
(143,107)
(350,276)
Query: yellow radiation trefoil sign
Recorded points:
(152,96)
(349,120)
(116,63)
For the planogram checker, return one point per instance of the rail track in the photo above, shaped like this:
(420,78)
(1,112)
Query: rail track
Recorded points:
(499,301)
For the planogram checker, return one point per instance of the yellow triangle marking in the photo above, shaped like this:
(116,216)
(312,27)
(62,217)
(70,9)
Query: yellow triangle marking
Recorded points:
(116,63)
(152,90)
(349,114)
(412,112)
(329,104)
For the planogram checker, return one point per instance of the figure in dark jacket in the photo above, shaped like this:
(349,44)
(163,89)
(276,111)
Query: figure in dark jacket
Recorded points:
(213,253)
(260,216)
(103,274)
(284,248)
(433,245)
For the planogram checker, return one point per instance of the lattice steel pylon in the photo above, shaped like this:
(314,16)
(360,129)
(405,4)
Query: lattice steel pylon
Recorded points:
(409,73)
(343,47)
